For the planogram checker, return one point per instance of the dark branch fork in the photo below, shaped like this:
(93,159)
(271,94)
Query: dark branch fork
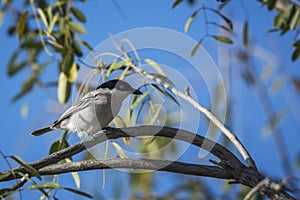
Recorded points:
(229,166)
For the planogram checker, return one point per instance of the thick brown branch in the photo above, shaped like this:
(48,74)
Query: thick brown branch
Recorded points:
(229,166)
(144,164)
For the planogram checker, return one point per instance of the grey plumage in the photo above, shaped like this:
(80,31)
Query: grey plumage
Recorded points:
(94,111)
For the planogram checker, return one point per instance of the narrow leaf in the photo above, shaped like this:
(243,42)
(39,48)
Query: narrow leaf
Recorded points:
(153,64)
(52,23)
(5,192)
(196,47)
(245,34)
(176,3)
(64,88)
(223,39)
(72,75)
(84,43)
(155,116)
(189,21)
(77,28)
(48,185)
(296,54)
(146,144)
(78,14)
(22,24)
(54,147)
(28,167)
(4,176)
(226,19)
(43,17)
(119,150)
(74,175)
(166,93)
(79,192)
(139,99)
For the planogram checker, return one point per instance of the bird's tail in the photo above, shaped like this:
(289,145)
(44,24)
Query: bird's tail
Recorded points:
(42,131)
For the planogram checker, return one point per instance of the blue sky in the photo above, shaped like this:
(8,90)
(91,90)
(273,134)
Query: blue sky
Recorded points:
(104,18)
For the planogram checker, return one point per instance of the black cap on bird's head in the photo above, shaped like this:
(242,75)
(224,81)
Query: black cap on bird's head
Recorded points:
(119,85)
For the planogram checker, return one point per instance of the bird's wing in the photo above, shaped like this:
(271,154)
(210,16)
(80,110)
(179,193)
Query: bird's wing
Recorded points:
(83,103)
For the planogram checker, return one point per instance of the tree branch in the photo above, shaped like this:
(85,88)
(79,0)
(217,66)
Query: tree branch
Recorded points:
(229,166)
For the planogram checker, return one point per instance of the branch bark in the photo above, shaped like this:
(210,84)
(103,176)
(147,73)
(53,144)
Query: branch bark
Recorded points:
(229,166)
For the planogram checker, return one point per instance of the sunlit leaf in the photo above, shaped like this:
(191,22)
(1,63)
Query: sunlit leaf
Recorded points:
(78,14)
(120,150)
(29,168)
(139,99)
(295,19)
(176,3)
(245,34)
(22,24)
(74,175)
(146,144)
(189,21)
(115,66)
(77,28)
(53,22)
(223,39)
(79,192)
(64,88)
(43,17)
(196,47)
(1,17)
(155,115)
(157,68)
(161,79)
(48,185)
(72,75)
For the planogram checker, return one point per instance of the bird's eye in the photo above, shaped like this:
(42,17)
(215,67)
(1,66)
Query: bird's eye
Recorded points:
(121,87)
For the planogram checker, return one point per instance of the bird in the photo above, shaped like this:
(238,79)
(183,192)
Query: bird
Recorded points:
(94,111)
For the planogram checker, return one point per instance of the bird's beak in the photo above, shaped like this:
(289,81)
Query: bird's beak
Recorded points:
(137,92)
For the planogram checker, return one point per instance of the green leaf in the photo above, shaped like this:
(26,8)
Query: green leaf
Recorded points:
(48,185)
(155,116)
(296,54)
(12,69)
(77,49)
(157,68)
(74,175)
(54,147)
(146,144)
(1,17)
(78,14)
(72,74)
(226,19)
(84,43)
(77,28)
(115,66)
(223,39)
(28,167)
(176,3)
(166,93)
(53,22)
(295,21)
(119,150)
(161,79)
(189,21)
(43,17)
(5,192)
(64,88)
(139,99)
(79,192)
(4,176)
(245,34)
(196,47)
(22,24)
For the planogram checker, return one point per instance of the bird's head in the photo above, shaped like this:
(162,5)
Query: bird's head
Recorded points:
(119,89)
